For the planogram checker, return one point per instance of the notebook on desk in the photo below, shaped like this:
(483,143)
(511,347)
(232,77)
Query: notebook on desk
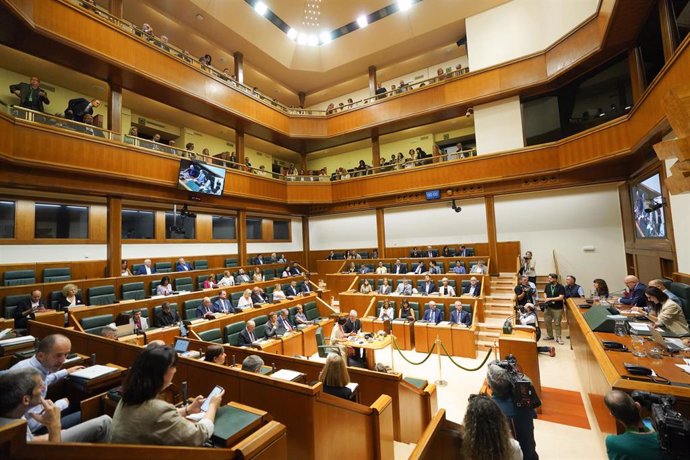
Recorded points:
(671,345)
(93,372)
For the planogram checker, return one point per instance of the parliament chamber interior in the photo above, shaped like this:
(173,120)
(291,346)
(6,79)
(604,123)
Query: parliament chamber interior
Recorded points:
(328,229)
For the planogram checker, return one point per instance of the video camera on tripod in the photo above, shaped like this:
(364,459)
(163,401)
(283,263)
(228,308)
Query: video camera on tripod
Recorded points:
(672,428)
(523,392)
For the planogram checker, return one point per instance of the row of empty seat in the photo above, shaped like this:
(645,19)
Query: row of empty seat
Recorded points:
(388,265)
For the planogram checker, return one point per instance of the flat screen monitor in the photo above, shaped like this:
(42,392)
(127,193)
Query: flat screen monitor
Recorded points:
(648,212)
(198,177)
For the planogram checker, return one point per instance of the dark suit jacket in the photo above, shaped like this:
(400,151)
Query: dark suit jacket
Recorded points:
(24,91)
(437,318)
(350,327)
(305,288)
(415,254)
(271,330)
(465,317)
(394,269)
(63,303)
(21,320)
(77,108)
(142,270)
(258,298)
(340,392)
(167,320)
(292,291)
(432,288)
(201,311)
(218,307)
(183,268)
(476,292)
(282,328)
(243,338)
(636,297)
(295,271)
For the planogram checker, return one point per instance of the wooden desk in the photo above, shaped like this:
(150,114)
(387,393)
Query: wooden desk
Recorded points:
(292,344)
(371,347)
(309,347)
(255,418)
(404,334)
(421,344)
(443,332)
(100,384)
(523,345)
(464,343)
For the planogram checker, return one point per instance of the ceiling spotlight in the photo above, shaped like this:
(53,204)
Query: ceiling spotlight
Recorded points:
(302,38)
(325,37)
(292,34)
(469,112)
(260,7)
(199,17)
(362,21)
(312,40)
(404,5)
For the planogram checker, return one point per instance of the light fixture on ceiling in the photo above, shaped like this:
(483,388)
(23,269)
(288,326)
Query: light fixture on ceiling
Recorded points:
(312,40)
(260,7)
(199,17)
(302,38)
(470,112)
(404,5)
(325,37)
(292,34)
(362,21)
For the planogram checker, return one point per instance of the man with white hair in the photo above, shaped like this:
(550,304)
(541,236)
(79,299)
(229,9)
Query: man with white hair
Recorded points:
(352,325)
(146,269)
(247,336)
(635,294)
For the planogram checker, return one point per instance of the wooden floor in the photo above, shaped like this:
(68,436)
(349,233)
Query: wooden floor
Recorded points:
(564,407)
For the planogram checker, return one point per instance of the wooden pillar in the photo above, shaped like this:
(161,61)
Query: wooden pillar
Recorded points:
(116,8)
(491,231)
(372,80)
(669,29)
(302,99)
(115,108)
(303,161)
(637,75)
(239,144)
(114,236)
(242,236)
(305,242)
(381,232)
(239,66)
(375,151)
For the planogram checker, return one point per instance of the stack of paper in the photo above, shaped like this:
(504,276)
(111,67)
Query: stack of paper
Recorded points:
(93,372)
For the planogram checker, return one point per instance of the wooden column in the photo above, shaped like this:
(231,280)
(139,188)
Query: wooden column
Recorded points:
(637,75)
(381,232)
(115,108)
(372,80)
(116,8)
(239,66)
(305,242)
(375,151)
(491,231)
(303,161)
(242,236)
(114,236)
(239,144)
(302,99)
(669,30)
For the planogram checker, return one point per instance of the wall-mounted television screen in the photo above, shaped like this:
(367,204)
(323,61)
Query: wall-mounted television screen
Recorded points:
(648,211)
(199,177)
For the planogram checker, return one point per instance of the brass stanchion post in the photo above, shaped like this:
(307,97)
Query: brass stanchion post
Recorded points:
(440,382)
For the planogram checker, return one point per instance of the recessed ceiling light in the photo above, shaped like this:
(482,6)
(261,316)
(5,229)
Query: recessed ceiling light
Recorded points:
(404,5)
(260,7)
(312,40)
(362,21)
(292,34)
(325,37)
(302,38)
(199,17)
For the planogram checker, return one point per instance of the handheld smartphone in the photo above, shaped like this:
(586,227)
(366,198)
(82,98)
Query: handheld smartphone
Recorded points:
(217,390)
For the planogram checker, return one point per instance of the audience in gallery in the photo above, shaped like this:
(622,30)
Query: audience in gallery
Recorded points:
(141,418)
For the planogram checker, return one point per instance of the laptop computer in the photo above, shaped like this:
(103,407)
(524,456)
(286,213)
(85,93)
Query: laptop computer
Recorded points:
(672,345)
(125,329)
(181,346)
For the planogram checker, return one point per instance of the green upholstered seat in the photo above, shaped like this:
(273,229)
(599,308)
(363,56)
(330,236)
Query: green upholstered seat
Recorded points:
(418,383)
(201,265)
(94,324)
(231,262)
(134,291)
(53,275)
(212,335)
(311,310)
(232,332)
(102,295)
(184,284)
(200,281)
(190,307)
(11,302)
(18,277)
(163,267)
(154,287)
(260,322)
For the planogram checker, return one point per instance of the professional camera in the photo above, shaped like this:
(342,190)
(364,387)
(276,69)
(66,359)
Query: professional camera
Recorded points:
(523,394)
(672,428)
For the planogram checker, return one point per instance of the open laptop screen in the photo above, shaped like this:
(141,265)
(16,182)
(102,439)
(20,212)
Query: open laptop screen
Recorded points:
(181,345)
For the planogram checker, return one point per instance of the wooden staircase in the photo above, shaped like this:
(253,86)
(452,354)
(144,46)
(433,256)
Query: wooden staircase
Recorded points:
(497,307)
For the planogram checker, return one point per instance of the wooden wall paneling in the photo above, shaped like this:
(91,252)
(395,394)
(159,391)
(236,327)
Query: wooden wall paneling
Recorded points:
(25,221)
(204,227)
(669,30)
(508,251)
(381,232)
(491,232)
(241,231)
(115,101)
(637,74)
(114,236)
(306,249)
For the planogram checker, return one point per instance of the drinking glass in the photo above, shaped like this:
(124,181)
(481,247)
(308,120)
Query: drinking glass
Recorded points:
(637,344)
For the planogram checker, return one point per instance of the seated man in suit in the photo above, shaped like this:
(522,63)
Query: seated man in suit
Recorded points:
(634,296)
(363,269)
(223,304)
(433,268)
(166,316)
(205,310)
(146,269)
(415,252)
(385,288)
(433,314)
(77,108)
(479,269)
(258,296)
(139,322)
(305,287)
(446,289)
(259,260)
(292,290)
(421,268)
(247,337)
(462,252)
(398,268)
(182,266)
(428,287)
(284,324)
(430,252)
(381,270)
(27,308)
(404,288)
(353,325)
(252,363)
(242,277)
(460,316)
(474,288)
(294,270)
(272,325)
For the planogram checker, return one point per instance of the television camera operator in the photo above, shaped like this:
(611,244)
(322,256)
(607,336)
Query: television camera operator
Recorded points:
(514,393)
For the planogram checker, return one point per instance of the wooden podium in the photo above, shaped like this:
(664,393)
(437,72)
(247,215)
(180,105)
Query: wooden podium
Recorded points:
(522,344)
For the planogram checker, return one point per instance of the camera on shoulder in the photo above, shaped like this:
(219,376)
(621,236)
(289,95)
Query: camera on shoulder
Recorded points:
(672,428)
(523,392)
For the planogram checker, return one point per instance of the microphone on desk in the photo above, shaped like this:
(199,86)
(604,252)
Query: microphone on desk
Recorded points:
(508,325)
(93,359)
(184,392)
(234,361)
(141,332)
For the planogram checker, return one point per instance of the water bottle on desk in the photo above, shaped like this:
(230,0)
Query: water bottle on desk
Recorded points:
(619,328)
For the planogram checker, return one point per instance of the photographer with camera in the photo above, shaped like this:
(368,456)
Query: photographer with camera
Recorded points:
(638,441)
(508,392)
(526,292)
(528,267)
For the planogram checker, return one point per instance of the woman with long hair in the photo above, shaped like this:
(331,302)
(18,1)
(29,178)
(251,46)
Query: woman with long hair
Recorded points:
(142,418)
(486,435)
(665,312)
(335,377)
(601,289)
